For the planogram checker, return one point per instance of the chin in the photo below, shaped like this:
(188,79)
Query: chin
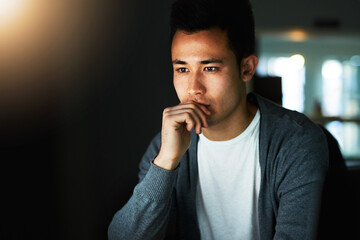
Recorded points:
(212,122)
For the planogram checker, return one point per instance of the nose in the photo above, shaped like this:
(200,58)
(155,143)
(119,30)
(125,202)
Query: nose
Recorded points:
(195,86)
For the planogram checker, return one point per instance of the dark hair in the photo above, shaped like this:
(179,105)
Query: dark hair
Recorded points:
(235,17)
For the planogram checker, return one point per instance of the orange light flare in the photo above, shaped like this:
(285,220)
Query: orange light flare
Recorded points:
(10,10)
(39,41)
(46,48)
(298,35)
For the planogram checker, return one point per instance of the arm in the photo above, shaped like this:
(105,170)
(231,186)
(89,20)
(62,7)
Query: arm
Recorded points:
(299,181)
(146,214)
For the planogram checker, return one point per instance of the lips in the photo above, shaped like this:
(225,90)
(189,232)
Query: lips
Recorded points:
(202,103)
(199,101)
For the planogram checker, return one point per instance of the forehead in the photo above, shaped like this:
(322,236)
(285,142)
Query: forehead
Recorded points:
(205,43)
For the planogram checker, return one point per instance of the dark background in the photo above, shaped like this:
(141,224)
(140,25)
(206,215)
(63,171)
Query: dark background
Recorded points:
(80,102)
(82,88)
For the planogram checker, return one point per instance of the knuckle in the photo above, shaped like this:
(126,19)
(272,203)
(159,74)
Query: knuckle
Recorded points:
(166,117)
(166,110)
(191,111)
(194,114)
(192,105)
(188,115)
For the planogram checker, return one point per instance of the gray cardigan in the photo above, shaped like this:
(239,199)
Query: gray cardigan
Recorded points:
(293,159)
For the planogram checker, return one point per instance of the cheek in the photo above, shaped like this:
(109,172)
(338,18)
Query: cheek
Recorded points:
(180,89)
(221,87)
(228,93)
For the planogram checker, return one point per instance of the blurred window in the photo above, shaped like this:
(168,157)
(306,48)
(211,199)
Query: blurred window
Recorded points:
(347,134)
(341,100)
(291,69)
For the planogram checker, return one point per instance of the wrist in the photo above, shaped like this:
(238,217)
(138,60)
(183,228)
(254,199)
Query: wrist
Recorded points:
(166,163)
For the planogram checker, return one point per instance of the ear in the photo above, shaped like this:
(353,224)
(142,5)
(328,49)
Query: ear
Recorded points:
(248,67)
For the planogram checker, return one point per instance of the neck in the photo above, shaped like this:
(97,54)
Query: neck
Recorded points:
(234,125)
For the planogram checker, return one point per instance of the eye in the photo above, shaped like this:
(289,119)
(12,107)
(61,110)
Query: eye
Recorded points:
(210,69)
(182,70)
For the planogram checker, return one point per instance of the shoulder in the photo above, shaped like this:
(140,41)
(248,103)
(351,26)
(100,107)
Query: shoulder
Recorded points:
(279,121)
(288,136)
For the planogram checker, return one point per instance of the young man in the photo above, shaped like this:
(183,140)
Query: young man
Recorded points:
(227,165)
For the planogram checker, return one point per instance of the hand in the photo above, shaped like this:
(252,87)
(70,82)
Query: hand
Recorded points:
(175,133)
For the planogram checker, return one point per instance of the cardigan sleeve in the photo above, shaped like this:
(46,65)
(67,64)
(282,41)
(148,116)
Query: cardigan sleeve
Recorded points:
(146,214)
(301,168)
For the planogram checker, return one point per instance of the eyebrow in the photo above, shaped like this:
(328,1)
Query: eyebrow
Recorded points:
(212,60)
(206,61)
(177,61)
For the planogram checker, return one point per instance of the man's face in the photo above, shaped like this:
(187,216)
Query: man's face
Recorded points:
(206,72)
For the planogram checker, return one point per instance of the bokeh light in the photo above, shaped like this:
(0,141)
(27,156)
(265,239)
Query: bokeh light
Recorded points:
(297,35)
(332,69)
(297,62)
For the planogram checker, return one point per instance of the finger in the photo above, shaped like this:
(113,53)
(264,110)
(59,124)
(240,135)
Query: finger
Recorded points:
(189,117)
(190,124)
(204,108)
(199,110)
(180,117)
(196,114)
(193,105)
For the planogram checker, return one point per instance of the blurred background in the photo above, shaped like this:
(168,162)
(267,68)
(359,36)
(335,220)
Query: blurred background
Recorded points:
(83,84)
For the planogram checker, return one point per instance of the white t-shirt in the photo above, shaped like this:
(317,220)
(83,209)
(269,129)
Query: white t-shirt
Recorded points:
(229,185)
